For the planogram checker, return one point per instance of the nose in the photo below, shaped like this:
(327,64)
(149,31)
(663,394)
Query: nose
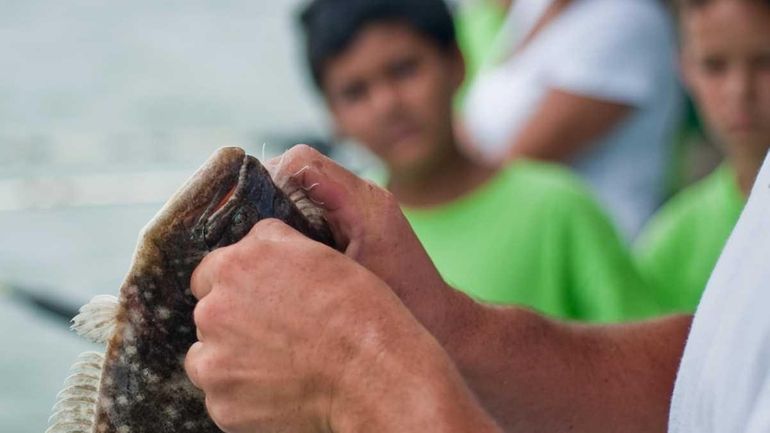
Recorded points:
(385,98)
(740,85)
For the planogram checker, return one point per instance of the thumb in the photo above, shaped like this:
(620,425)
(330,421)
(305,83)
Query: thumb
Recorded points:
(327,184)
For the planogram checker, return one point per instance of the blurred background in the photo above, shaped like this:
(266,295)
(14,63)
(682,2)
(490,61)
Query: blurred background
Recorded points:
(105,109)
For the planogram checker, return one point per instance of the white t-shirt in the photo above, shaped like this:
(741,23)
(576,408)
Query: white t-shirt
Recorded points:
(724,379)
(615,50)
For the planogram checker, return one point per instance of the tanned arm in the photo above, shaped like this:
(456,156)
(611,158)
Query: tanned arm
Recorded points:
(534,374)
(531,373)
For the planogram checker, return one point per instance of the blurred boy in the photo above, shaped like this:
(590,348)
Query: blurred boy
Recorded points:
(725,62)
(527,234)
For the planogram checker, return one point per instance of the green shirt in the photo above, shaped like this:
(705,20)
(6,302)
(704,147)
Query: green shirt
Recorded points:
(682,243)
(478,24)
(534,236)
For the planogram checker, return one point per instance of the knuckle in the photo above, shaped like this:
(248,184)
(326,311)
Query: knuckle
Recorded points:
(301,152)
(270,224)
(201,367)
(222,413)
(208,267)
(223,258)
(205,314)
(199,285)
(389,201)
(225,264)
(207,368)
(190,363)
(387,197)
(270,229)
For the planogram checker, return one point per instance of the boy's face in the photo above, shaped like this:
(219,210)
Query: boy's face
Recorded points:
(726,64)
(391,90)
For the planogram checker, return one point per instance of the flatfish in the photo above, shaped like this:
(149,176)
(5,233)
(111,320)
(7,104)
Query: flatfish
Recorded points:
(138,385)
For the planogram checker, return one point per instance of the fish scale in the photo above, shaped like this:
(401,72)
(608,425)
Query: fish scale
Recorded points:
(139,385)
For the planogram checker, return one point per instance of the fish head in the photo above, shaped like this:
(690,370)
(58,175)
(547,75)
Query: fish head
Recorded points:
(218,206)
(150,327)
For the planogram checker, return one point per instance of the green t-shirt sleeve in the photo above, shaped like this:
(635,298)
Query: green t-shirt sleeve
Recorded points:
(606,285)
(658,254)
(679,248)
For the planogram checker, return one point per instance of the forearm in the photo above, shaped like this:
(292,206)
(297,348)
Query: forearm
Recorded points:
(564,125)
(532,374)
(407,384)
(537,375)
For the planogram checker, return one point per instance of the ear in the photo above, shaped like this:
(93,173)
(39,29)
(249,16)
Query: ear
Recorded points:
(686,66)
(334,117)
(337,126)
(457,67)
(338,131)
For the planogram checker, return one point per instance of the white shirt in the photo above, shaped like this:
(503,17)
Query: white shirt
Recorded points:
(724,379)
(615,50)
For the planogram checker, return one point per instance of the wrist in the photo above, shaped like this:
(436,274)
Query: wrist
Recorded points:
(458,323)
(405,383)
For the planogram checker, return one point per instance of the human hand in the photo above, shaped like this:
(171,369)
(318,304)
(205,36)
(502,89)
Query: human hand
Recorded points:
(294,336)
(368,224)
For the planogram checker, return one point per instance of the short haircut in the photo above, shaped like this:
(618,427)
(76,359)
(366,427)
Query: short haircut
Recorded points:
(330,26)
(683,5)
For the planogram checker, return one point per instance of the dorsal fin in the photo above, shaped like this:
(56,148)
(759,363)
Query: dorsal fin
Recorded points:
(76,403)
(97,319)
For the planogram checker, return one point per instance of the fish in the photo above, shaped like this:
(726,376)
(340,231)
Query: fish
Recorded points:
(139,385)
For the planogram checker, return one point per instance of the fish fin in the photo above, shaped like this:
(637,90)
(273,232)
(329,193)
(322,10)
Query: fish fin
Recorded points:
(75,406)
(97,319)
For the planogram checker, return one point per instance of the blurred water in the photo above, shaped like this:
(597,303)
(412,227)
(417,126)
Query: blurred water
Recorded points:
(105,107)
(137,74)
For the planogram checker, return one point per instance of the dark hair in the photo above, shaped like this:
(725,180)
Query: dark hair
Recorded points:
(682,5)
(329,26)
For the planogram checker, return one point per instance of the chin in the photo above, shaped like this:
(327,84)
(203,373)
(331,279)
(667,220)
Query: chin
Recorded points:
(411,159)
(411,167)
(749,140)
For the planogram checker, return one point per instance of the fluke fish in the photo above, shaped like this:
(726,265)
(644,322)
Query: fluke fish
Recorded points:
(138,385)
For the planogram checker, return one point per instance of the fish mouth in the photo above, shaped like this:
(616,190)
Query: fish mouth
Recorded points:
(224,204)
(225,199)
(204,193)
(236,203)
(221,200)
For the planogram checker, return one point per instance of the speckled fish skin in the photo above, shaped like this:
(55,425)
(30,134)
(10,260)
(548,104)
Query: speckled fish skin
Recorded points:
(144,388)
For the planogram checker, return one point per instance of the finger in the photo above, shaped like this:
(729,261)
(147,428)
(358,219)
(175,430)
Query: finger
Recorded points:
(191,363)
(207,315)
(272,229)
(202,279)
(312,171)
(341,198)
(327,184)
